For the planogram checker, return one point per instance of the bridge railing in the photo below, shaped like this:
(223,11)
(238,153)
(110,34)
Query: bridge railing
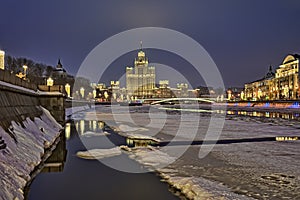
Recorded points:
(8,77)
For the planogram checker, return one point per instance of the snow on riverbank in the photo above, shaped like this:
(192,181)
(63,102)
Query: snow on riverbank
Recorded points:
(73,110)
(25,147)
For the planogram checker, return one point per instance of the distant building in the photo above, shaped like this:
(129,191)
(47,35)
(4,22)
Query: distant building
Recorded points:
(140,80)
(283,84)
(164,90)
(182,90)
(234,93)
(260,89)
(2,54)
(115,90)
(61,79)
(59,74)
(286,82)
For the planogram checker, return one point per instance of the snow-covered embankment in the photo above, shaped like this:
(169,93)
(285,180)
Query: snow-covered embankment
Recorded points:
(25,146)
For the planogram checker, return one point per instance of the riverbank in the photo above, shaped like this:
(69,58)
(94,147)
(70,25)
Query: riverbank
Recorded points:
(26,143)
(27,129)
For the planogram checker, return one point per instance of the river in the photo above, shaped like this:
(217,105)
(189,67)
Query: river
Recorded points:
(76,178)
(243,166)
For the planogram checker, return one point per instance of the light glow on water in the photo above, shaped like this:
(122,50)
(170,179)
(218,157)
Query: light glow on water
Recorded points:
(68,130)
(187,110)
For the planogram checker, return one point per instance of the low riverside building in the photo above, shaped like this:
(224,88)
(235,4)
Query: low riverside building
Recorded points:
(281,85)
(260,89)
(286,82)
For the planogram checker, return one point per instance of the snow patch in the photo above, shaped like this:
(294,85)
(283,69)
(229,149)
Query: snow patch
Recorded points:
(20,157)
(99,153)
(152,157)
(91,134)
(126,128)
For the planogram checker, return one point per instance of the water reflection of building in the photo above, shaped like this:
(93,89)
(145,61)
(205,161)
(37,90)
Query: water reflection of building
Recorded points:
(140,80)
(284,84)
(82,126)
(55,163)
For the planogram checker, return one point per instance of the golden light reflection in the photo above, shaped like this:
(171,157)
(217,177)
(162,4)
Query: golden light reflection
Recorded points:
(101,125)
(94,125)
(68,130)
(286,138)
(82,123)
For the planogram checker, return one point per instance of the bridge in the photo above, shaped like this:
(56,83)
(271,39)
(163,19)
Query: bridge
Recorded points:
(180,99)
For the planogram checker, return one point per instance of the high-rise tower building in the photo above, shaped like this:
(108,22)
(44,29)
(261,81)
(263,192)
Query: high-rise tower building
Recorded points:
(140,80)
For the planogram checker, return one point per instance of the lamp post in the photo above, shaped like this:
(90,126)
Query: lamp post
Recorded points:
(68,89)
(94,93)
(49,83)
(82,92)
(25,67)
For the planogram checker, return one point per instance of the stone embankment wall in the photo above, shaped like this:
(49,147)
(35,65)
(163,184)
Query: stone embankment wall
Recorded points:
(28,125)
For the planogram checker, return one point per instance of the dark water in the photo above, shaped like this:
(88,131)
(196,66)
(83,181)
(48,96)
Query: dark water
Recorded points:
(78,178)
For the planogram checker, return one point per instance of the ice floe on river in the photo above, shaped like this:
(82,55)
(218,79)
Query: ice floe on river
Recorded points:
(91,134)
(244,163)
(99,153)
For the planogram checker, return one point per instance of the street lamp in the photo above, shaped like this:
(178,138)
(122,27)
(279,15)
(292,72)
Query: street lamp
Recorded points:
(25,67)
(68,89)
(82,92)
(94,93)
(49,83)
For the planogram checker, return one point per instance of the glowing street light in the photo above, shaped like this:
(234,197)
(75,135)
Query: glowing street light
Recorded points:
(94,93)
(68,89)
(25,67)
(82,92)
(2,54)
(49,83)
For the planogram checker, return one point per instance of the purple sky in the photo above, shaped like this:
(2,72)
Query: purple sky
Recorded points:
(243,37)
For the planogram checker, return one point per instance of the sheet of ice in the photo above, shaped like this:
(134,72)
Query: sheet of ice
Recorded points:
(91,133)
(244,163)
(126,128)
(20,157)
(151,157)
(140,136)
(199,188)
(99,153)
(131,132)
(75,112)
(192,187)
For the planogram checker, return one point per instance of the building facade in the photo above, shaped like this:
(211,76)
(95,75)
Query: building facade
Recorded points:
(281,85)
(140,80)
(286,82)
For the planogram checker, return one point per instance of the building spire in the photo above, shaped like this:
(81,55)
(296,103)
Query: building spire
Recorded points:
(141,45)
(59,65)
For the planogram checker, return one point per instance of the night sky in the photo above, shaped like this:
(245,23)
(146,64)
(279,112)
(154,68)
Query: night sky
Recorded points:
(242,37)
